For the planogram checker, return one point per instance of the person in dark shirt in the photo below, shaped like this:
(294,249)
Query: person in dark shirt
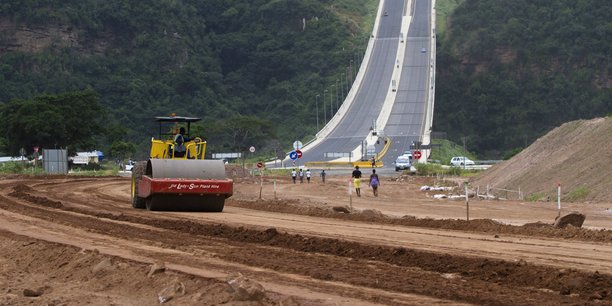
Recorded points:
(179,143)
(356,180)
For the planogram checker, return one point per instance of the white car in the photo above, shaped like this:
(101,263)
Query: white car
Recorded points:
(461,161)
(129,165)
(403,163)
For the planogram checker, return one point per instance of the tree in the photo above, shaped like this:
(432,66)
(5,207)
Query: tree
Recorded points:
(240,132)
(70,120)
(122,149)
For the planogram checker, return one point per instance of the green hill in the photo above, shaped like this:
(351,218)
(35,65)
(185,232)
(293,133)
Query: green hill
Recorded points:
(507,72)
(259,62)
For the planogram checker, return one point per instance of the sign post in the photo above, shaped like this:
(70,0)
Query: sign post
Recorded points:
(467,202)
(350,192)
(559,199)
(294,156)
(417,155)
(22,153)
(260,166)
(35,156)
(297,145)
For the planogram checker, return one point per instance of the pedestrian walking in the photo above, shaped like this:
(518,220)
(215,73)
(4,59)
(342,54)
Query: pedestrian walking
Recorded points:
(301,176)
(293,175)
(323,176)
(356,180)
(373,162)
(308,175)
(374,182)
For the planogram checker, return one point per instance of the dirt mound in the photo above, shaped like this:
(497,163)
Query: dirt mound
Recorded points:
(539,229)
(23,192)
(577,155)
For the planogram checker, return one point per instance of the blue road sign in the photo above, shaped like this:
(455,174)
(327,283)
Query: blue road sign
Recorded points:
(293,155)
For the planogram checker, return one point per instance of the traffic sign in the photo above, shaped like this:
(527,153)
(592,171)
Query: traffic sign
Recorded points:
(417,154)
(299,153)
(252,149)
(293,155)
(297,145)
(260,165)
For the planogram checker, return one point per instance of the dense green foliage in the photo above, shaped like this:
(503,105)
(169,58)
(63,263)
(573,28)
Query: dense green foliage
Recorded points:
(445,150)
(71,120)
(219,59)
(507,71)
(510,71)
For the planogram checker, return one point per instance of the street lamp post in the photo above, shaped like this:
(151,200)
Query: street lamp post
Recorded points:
(350,72)
(317,106)
(331,102)
(342,86)
(356,60)
(324,111)
(337,96)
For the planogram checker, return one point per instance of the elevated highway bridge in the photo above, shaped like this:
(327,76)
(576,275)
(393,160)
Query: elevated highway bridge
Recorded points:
(391,100)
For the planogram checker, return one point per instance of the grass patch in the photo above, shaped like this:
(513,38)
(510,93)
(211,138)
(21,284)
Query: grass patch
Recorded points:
(435,169)
(104,169)
(101,172)
(444,8)
(447,150)
(20,168)
(578,194)
(536,196)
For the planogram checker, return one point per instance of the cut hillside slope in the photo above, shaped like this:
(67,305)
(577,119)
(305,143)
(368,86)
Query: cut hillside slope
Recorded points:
(578,155)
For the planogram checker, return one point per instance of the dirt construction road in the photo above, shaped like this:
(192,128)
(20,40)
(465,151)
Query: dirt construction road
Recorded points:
(76,241)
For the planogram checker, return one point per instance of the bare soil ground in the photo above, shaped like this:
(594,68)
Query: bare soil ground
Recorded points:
(577,155)
(75,241)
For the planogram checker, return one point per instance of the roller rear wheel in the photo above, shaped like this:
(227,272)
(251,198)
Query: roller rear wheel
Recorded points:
(137,172)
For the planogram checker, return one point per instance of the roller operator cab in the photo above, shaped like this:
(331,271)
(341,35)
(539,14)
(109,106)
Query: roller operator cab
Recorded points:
(176,176)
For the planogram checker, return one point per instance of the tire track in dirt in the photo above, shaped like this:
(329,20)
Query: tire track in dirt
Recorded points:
(176,241)
(539,251)
(261,243)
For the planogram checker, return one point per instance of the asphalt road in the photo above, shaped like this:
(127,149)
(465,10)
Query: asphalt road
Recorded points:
(406,120)
(405,123)
(369,100)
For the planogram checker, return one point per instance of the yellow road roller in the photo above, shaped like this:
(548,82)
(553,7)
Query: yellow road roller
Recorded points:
(176,176)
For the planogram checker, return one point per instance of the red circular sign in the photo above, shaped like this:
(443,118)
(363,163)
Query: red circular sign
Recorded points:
(260,165)
(299,153)
(417,154)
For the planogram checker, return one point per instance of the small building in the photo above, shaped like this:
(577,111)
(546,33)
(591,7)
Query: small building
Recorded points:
(86,158)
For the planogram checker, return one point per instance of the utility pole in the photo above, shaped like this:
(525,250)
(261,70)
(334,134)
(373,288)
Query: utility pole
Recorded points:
(337,96)
(317,106)
(324,111)
(331,102)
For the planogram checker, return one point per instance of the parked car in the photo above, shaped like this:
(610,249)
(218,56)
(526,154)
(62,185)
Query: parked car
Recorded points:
(403,162)
(129,165)
(423,50)
(461,161)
